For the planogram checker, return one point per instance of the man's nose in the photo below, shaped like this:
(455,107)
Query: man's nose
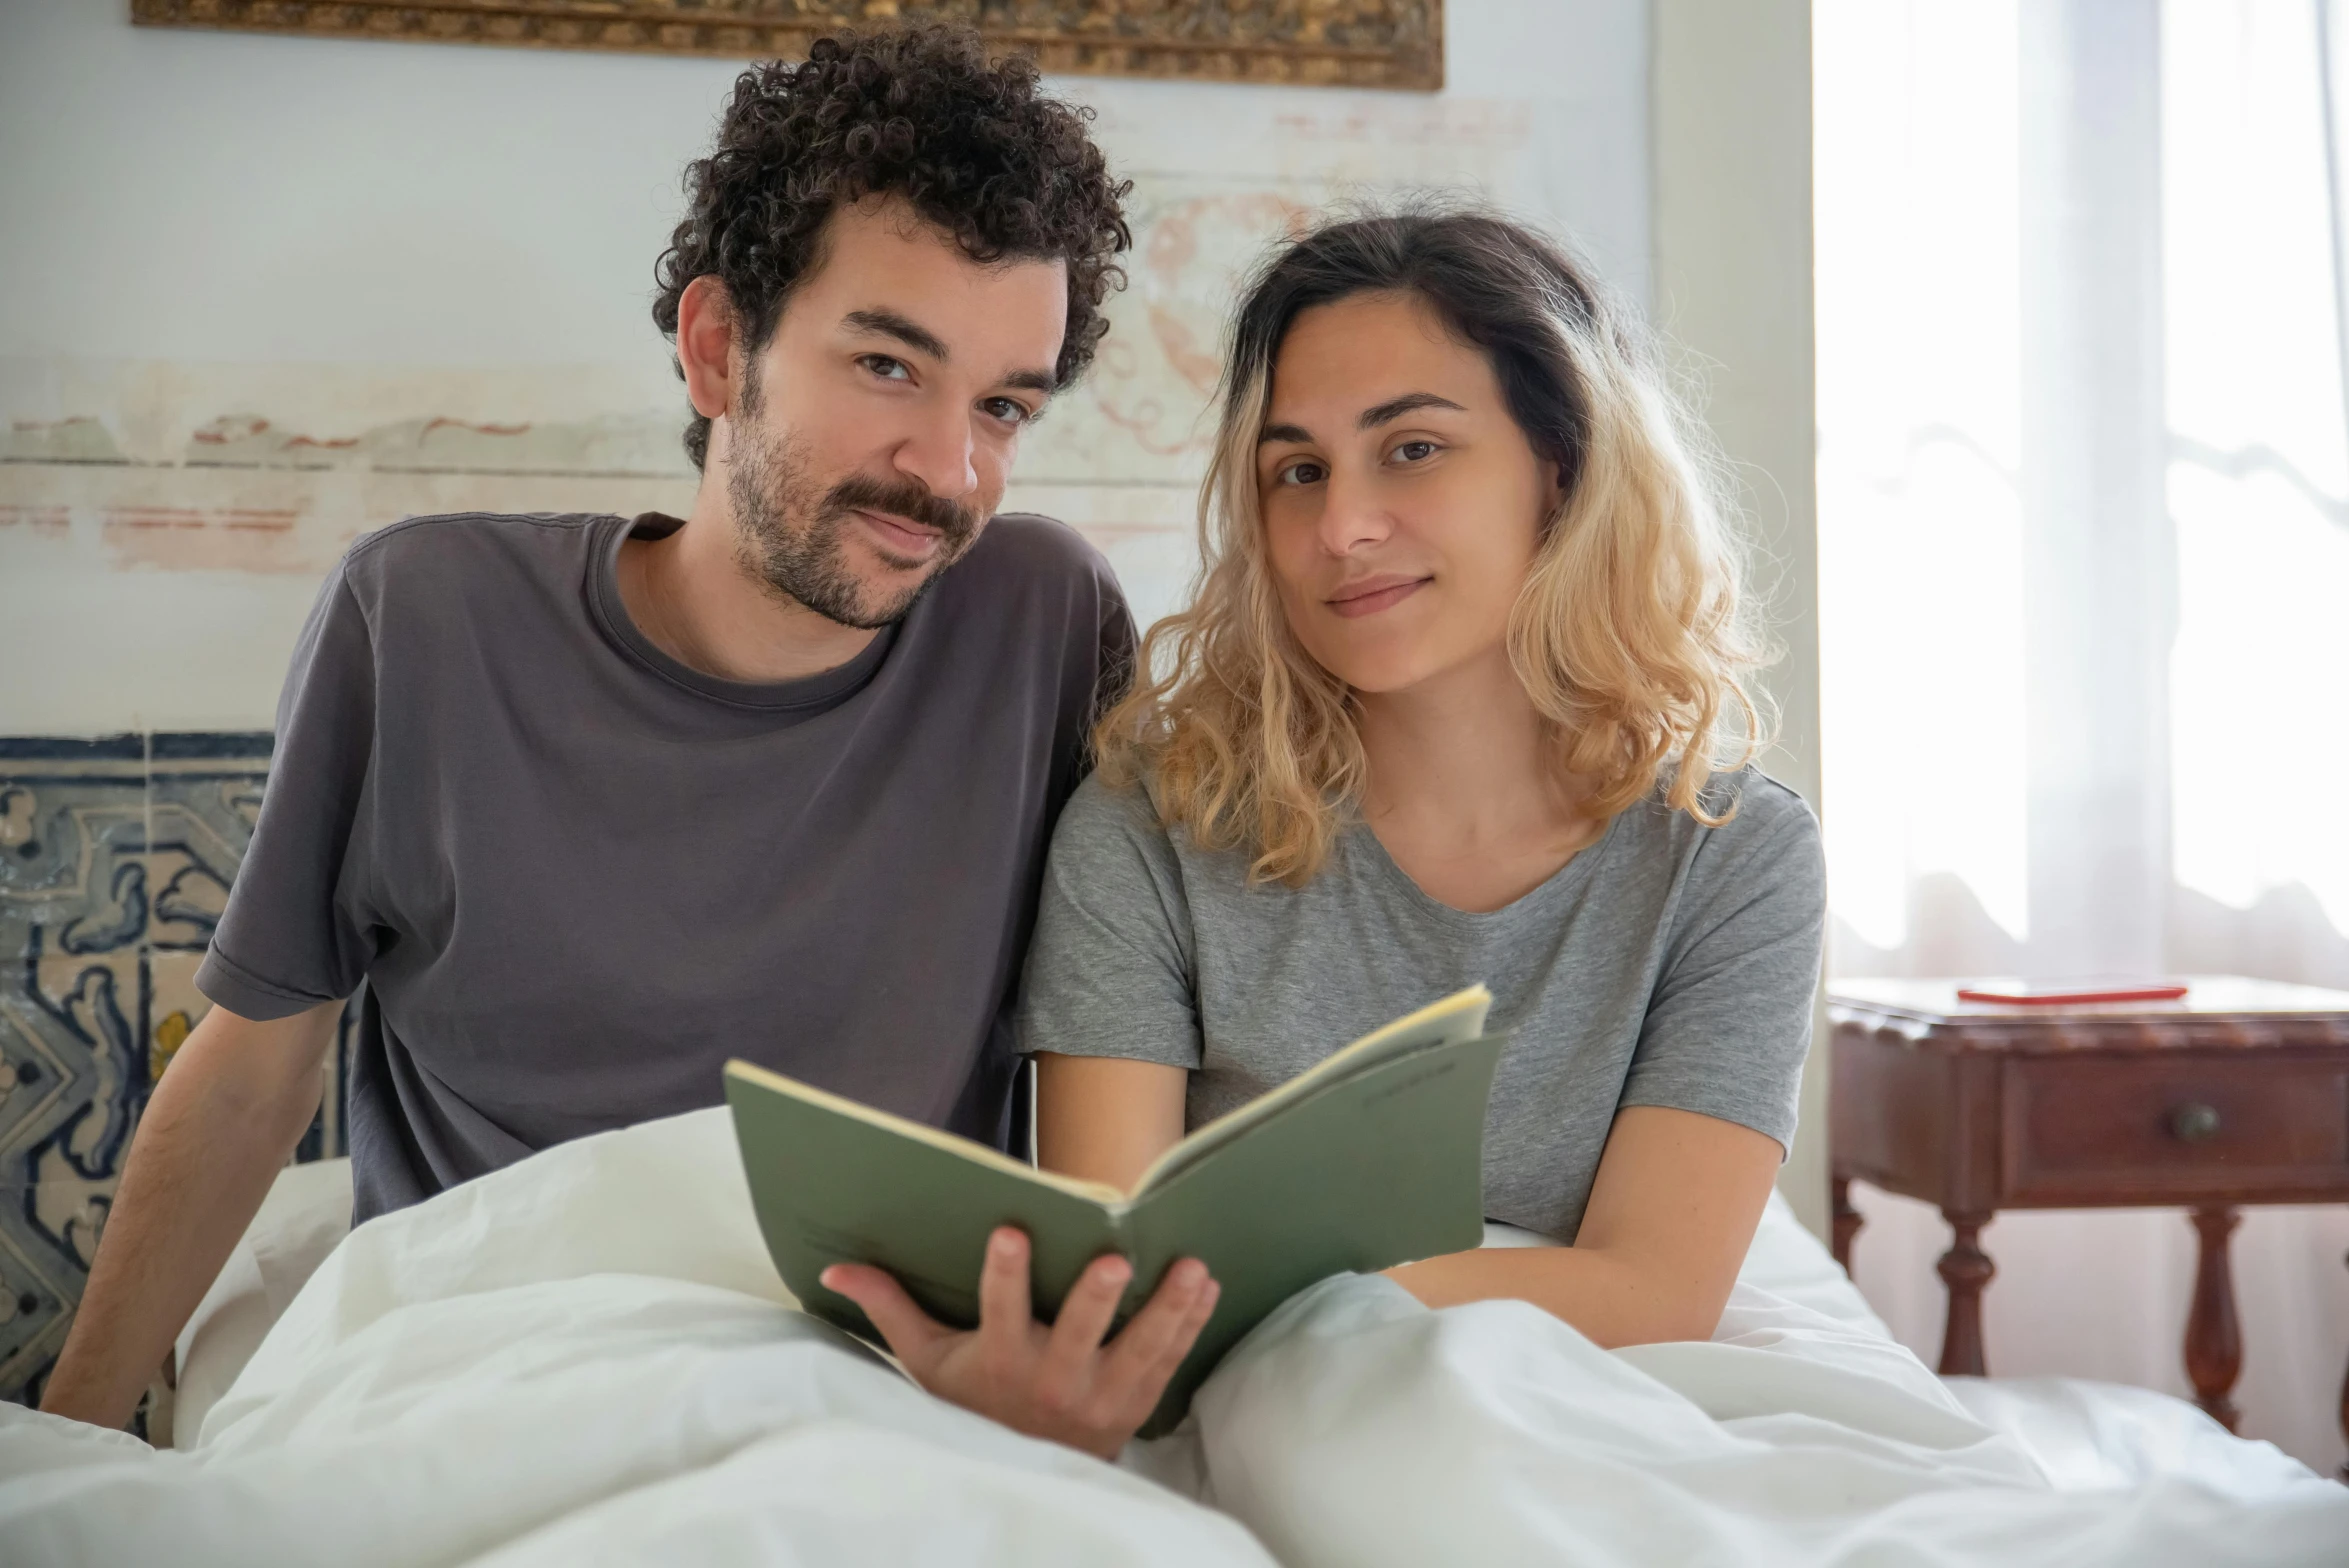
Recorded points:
(941,454)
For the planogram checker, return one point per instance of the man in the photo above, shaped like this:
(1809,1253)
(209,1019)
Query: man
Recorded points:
(590,806)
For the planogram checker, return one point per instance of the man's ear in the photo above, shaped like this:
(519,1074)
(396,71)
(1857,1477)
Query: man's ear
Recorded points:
(705,345)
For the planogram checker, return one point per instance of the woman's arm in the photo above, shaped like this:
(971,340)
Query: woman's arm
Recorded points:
(1107,1007)
(1105,1118)
(1682,1181)
(1672,1212)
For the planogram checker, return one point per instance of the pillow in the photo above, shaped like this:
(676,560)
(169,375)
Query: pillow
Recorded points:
(307,1212)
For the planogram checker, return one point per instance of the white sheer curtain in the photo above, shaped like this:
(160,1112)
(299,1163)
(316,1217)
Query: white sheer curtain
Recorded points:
(2084,581)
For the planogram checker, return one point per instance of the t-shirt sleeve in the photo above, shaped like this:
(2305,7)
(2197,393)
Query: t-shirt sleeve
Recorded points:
(289,938)
(1729,1022)
(1109,971)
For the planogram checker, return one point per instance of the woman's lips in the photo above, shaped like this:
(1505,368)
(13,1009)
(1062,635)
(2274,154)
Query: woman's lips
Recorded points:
(1374,594)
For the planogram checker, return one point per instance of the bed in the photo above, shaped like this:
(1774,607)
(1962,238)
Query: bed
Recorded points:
(587,1358)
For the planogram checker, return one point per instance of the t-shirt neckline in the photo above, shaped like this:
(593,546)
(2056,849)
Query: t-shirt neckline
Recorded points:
(1579,867)
(612,618)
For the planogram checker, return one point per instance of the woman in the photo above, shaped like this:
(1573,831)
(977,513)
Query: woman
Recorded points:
(1459,700)
(1453,704)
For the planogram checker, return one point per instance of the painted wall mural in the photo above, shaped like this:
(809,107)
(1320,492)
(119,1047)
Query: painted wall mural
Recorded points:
(172,466)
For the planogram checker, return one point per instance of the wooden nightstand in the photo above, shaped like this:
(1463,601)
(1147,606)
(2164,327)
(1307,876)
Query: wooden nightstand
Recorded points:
(2239,1093)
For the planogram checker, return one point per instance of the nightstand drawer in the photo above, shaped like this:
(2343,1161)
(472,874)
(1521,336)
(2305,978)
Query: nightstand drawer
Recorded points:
(2186,1126)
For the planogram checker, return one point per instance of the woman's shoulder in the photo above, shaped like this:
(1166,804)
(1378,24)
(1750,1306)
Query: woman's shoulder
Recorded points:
(1105,822)
(1099,809)
(1759,822)
(1764,806)
(1107,828)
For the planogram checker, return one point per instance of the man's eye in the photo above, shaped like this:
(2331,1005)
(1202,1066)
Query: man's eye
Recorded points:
(1414,451)
(886,368)
(1010,410)
(1304,471)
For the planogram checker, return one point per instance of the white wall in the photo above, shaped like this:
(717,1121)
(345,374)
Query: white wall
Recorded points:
(1732,226)
(355,240)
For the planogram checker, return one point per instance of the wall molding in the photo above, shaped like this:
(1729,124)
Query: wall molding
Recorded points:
(1399,45)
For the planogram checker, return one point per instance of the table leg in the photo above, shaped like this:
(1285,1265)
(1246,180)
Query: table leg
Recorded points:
(2345,1405)
(2214,1343)
(1965,1269)
(1847,1220)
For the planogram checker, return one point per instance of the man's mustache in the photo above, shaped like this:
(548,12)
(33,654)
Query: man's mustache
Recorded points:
(906,498)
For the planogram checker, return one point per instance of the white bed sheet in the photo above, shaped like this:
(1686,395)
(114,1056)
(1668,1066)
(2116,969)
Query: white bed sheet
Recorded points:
(587,1358)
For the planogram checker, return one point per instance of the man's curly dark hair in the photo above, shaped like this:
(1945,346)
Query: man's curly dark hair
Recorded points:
(918,112)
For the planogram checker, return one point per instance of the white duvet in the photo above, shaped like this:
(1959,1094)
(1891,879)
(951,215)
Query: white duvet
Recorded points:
(587,1359)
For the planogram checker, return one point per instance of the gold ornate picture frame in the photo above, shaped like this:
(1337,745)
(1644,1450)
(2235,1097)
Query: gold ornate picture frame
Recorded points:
(1337,43)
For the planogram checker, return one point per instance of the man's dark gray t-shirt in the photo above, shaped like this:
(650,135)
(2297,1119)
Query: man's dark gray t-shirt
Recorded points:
(577,875)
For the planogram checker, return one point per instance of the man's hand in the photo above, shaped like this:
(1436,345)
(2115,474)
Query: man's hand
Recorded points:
(1059,1381)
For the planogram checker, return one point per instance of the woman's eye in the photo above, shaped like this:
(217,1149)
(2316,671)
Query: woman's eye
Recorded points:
(1303,472)
(886,368)
(1413,451)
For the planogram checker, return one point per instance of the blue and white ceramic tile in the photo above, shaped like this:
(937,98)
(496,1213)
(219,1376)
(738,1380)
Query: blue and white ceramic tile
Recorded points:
(115,860)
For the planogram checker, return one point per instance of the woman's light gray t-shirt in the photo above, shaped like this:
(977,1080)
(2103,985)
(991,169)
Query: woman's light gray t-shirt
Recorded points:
(1669,964)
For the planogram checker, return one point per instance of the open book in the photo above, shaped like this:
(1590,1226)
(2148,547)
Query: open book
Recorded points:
(1372,1158)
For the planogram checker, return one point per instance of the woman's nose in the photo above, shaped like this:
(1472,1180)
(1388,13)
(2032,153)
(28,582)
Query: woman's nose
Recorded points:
(1353,513)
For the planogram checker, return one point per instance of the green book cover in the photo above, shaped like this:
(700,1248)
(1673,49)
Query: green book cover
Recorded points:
(1372,1158)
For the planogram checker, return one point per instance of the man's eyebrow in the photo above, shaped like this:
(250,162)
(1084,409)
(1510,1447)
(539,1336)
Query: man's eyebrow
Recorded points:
(1296,433)
(1397,407)
(889,324)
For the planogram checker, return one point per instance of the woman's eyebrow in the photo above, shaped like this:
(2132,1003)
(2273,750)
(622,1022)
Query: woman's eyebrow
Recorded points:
(1371,418)
(1396,407)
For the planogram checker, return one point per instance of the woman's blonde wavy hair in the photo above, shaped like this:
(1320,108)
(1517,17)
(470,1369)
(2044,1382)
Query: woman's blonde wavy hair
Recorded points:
(1628,634)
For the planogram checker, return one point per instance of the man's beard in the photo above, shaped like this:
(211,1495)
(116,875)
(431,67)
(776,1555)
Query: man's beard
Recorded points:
(793,536)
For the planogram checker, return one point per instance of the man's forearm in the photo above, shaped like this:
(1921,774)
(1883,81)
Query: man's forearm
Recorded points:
(219,1125)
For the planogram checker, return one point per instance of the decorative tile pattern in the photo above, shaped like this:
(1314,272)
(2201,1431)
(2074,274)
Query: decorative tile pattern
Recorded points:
(116,857)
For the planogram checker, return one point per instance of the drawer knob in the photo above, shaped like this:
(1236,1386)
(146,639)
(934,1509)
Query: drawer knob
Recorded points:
(2194,1123)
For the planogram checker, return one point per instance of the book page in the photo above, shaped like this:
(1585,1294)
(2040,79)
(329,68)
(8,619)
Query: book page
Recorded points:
(950,1143)
(1459,1016)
